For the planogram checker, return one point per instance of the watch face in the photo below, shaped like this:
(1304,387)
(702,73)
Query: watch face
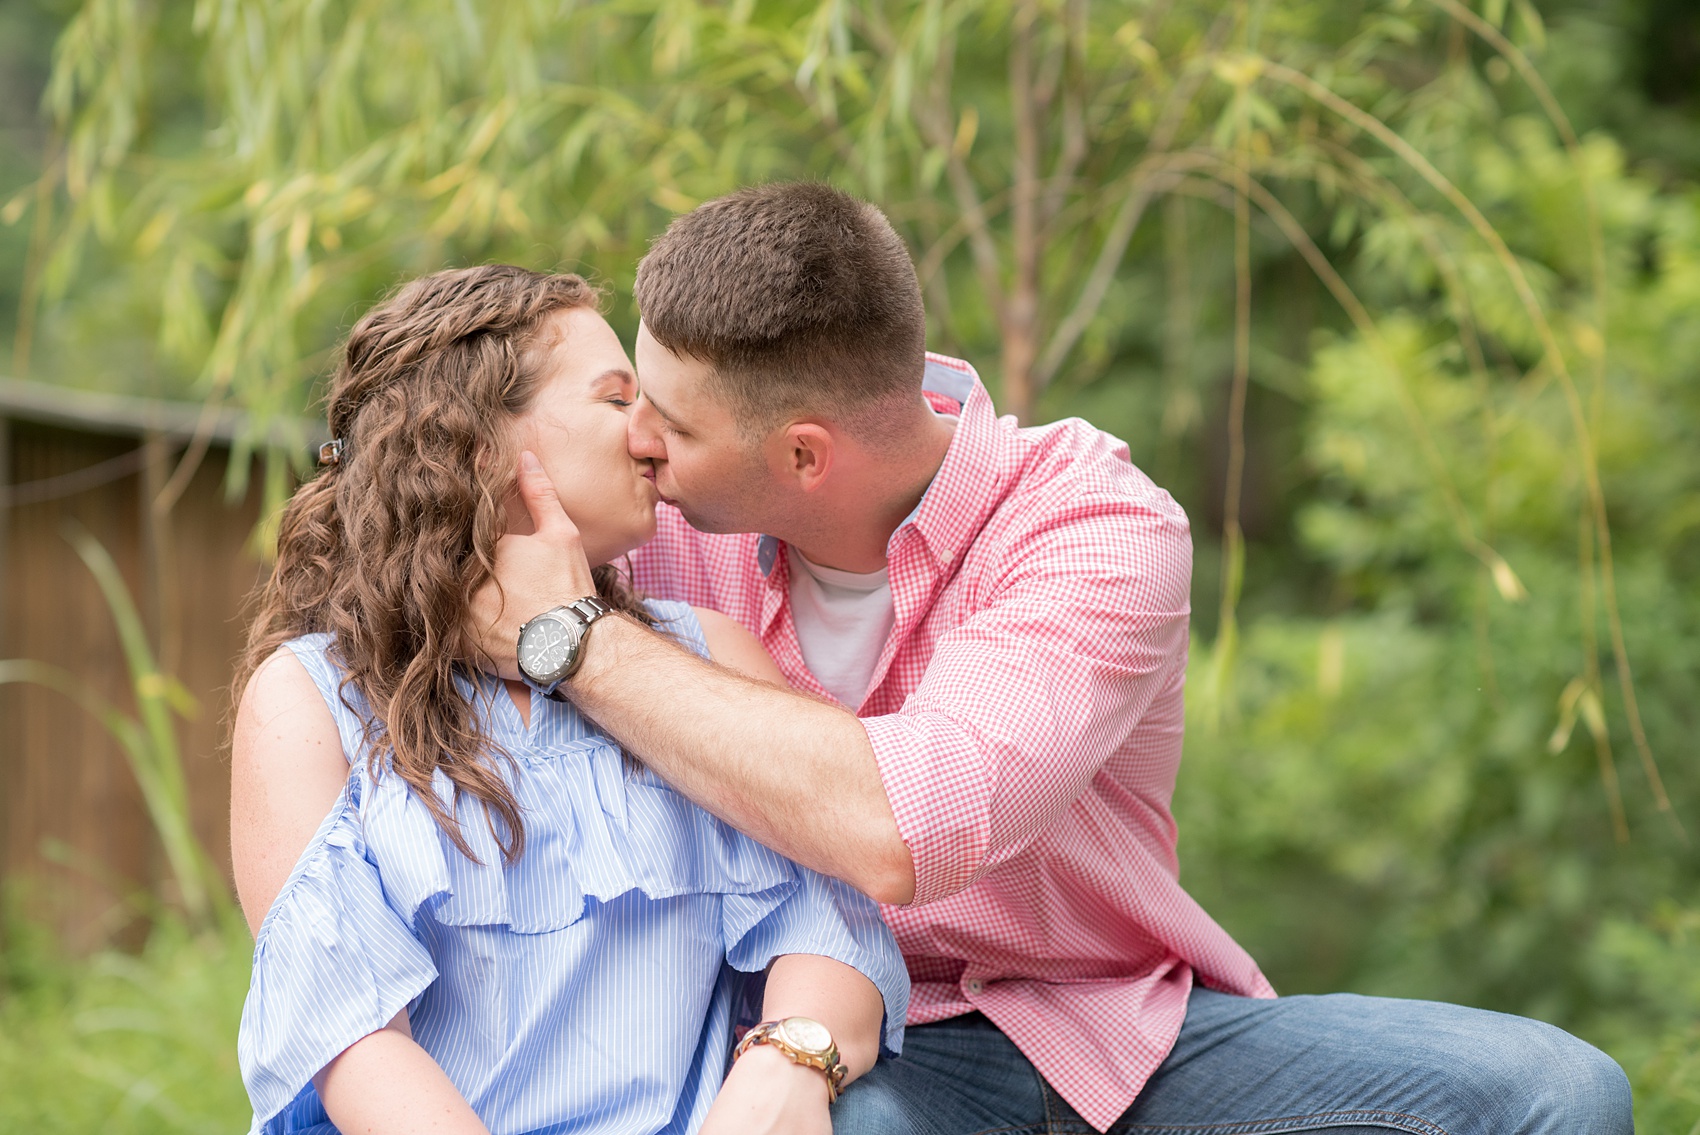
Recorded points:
(546,647)
(807,1034)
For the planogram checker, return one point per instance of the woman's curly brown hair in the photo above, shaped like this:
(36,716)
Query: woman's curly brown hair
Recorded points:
(385,548)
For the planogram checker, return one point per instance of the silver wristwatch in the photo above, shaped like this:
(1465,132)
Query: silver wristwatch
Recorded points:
(551,646)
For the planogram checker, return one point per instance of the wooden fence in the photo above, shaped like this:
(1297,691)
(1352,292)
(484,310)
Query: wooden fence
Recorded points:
(76,846)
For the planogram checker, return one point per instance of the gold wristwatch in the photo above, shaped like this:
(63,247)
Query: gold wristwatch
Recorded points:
(805,1041)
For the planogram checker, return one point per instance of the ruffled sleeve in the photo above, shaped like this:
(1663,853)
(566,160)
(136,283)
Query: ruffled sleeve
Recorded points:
(818,915)
(333,962)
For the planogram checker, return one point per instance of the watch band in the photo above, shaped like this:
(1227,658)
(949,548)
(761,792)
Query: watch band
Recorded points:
(588,610)
(827,1063)
(583,611)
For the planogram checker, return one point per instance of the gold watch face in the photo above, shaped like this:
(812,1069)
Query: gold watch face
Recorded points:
(806,1034)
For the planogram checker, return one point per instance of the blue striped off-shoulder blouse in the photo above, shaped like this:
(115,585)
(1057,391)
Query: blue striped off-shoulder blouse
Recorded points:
(591,986)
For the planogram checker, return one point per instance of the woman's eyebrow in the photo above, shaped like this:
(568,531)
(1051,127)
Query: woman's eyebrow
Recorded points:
(620,374)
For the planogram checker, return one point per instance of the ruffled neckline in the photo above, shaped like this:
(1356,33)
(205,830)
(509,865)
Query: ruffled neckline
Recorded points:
(596,826)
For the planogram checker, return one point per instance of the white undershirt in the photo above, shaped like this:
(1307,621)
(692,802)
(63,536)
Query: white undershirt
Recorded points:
(843,619)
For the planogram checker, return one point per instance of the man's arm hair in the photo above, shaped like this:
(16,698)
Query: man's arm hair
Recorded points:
(1082,627)
(792,772)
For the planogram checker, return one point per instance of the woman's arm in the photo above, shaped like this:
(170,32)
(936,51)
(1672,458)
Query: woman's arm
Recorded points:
(765,1093)
(385,1084)
(839,997)
(286,770)
(734,647)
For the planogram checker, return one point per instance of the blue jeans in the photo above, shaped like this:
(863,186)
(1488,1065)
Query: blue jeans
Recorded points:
(1340,1064)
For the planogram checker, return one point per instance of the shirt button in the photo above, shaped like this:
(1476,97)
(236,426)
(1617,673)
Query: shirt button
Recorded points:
(975,985)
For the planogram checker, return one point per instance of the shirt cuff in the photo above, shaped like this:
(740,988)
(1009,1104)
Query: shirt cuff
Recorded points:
(939,794)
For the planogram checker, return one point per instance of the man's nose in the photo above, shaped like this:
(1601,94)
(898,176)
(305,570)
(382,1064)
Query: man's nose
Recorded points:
(643,437)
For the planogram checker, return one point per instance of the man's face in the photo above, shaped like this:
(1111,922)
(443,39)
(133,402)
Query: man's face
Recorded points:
(704,464)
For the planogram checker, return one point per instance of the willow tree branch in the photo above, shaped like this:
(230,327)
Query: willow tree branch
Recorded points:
(1531,304)
(938,127)
(1149,179)
(1072,152)
(1133,206)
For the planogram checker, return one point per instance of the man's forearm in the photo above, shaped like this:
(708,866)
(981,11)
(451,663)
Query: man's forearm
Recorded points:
(791,772)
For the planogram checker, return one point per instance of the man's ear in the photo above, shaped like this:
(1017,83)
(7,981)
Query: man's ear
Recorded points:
(806,451)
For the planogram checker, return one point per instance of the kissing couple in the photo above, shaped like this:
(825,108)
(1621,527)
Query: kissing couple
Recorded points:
(764,738)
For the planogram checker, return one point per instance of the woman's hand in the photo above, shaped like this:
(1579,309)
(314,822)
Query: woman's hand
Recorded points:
(766,1094)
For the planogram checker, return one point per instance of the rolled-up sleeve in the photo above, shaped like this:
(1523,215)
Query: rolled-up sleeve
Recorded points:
(1080,626)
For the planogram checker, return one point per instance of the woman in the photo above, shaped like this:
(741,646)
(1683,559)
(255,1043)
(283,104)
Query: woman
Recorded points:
(477,916)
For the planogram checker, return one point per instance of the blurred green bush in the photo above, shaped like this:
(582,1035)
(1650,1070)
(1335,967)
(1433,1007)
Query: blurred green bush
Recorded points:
(1418,789)
(123,1044)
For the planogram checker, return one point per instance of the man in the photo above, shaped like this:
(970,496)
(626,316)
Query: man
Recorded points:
(986,629)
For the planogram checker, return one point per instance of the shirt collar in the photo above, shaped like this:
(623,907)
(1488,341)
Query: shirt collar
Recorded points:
(767,554)
(969,479)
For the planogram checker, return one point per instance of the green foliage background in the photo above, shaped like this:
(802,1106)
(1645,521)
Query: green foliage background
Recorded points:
(1414,765)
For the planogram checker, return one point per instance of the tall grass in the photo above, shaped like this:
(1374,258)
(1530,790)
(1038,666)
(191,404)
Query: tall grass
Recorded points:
(123,1044)
(149,739)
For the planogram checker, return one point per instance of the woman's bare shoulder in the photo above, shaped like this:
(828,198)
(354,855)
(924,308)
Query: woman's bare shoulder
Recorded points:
(286,770)
(734,647)
(282,703)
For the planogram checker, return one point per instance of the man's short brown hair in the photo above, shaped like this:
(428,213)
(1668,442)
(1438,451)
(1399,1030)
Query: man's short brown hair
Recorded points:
(801,298)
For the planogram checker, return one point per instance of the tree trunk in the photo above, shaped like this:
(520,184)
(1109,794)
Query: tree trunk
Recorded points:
(1021,310)
(1020,349)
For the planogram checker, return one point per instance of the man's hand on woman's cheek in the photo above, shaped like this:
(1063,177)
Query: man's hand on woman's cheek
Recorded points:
(532,572)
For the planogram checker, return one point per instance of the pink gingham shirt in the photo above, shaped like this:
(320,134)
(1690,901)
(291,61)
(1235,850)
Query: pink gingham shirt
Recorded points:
(1027,717)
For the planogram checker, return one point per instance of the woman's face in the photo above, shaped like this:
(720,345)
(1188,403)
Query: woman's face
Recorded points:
(576,425)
